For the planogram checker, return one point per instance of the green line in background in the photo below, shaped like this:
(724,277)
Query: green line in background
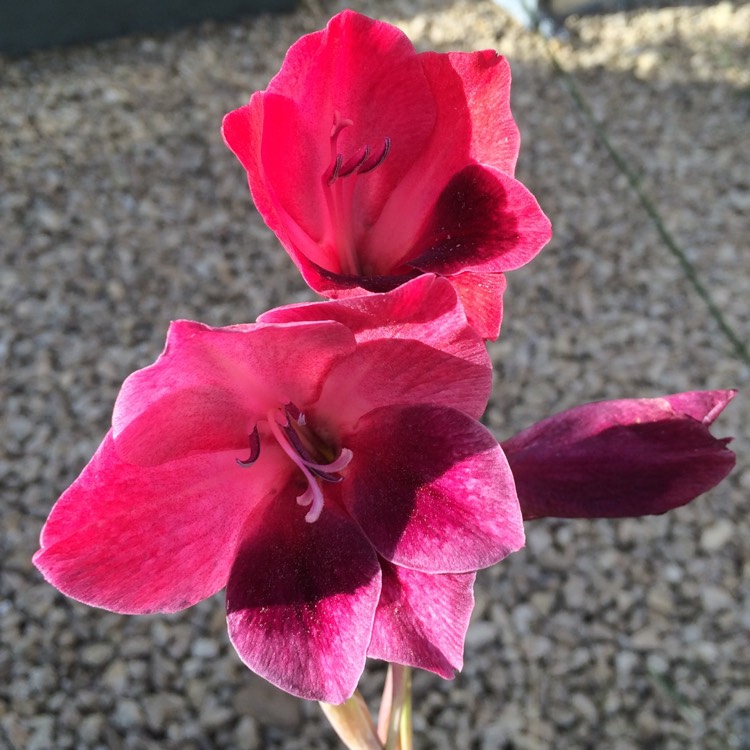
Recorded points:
(740,349)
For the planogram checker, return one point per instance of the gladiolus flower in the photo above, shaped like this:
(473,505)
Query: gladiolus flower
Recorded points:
(324,465)
(374,164)
(612,459)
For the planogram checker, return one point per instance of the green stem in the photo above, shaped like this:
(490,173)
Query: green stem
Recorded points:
(399,736)
(353,723)
(406,732)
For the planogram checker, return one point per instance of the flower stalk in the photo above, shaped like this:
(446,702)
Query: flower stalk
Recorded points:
(352,722)
(394,720)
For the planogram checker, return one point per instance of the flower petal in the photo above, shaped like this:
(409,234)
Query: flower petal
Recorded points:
(425,309)
(242,130)
(431,489)
(382,373)
(484,220)
(137,540)
(613,459)
(480,84)
(301,600)
(211,385)
(422,619)
(473,124)
(481,294)
(422,328)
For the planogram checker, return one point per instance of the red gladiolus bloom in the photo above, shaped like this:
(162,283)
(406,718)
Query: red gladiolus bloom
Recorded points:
(374,164)
(324,465)
(612,459)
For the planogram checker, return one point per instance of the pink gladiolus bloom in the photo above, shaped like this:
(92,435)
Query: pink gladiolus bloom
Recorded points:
(324,465)
(611,459)
(374,164)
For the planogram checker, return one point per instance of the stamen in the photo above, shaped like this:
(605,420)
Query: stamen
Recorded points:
(254,449)
(335,171)
(289,441)
(292,412)
(340,463)
(386,150)
(354,164)
(357,164)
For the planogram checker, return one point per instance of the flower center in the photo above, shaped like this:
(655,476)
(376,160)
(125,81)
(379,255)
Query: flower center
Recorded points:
(340,193)
(313,457)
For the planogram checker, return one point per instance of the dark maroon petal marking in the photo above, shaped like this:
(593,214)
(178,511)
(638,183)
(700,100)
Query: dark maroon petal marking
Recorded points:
(301,599)
(470,223)
(378,284)
(427,503)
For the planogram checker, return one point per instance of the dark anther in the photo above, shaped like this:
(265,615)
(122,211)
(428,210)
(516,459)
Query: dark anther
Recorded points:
(335,171)
(358,164)
(381,158)
(297,444)
(293,413)
(352,165)
(254,449)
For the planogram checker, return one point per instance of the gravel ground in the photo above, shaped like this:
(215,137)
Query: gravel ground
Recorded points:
(121,209)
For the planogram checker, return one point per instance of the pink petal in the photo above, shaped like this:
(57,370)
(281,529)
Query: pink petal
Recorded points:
(485,221)
(422,619)
(211,385)
(432,490)
(381,373)
(301,600)
(613,459)
(481,294)
(425,308)
(158,539)
(419,327)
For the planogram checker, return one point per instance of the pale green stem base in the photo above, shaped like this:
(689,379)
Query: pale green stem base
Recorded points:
(353,723)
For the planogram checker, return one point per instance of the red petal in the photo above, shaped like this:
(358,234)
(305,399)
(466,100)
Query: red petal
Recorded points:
(242,131)
(481,294)
(473,124)
(382,373)
(432,490)
(301,600)
(613,459)
(422,619)
(157,539)
(484,91)
(421,328)
(211,385)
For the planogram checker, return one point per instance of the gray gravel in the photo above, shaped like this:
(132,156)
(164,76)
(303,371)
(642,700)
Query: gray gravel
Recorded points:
(121,209)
